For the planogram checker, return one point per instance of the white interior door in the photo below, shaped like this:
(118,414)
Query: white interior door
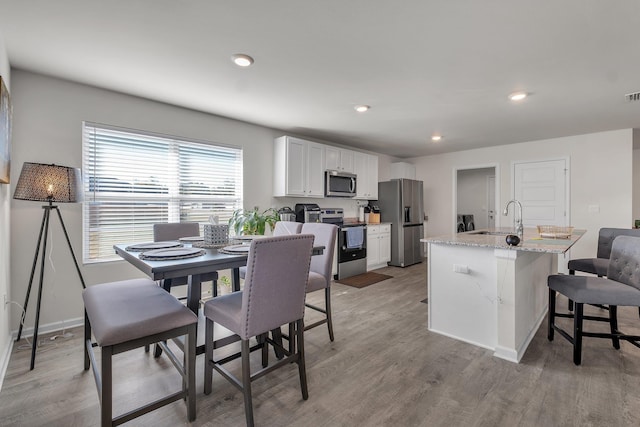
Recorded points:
(541,187)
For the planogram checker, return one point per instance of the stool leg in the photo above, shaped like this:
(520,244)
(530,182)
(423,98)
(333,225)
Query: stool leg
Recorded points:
(107,387)
(613,322)
(570,303)
(577,333)
(552,314)
(327,296)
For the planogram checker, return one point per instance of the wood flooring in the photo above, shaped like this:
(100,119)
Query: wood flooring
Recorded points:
(384,369)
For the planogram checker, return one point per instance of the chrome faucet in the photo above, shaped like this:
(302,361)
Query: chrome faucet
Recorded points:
(517,219)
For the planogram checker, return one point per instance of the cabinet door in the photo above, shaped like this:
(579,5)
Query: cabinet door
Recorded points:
(360,169)
(332,158)
(315,170)
(385,246)
(372,169)
(373,250)
(346,160)
(296,164)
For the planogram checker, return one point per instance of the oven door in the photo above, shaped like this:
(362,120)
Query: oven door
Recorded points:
(352,243)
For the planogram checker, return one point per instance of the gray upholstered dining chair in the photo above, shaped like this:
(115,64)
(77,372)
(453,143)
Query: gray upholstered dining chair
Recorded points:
(600,264)
(273,295)
(621,287)
(282,228)
(321,269)
(174,231)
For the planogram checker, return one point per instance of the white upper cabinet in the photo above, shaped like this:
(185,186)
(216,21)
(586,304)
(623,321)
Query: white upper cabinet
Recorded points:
(298,168)
(337,159)
(366,169)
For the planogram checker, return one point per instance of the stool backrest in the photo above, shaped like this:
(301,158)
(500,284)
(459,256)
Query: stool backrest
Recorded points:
(325,235)
(624,264)
(275,283)
(607,235)
(285,228)
(175,230)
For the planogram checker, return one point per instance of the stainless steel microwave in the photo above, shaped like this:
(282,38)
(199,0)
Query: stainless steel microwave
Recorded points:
(339,184)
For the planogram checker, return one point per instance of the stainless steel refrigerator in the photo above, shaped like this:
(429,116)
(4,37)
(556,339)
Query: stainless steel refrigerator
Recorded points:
(401,203)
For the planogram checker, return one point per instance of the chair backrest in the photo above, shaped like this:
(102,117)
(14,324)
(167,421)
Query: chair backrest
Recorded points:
(285,228)
(607,235)
(624,264)
(325,235)
(175,230)
(275,283)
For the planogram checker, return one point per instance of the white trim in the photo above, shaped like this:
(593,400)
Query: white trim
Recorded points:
(4,362)
(50,327)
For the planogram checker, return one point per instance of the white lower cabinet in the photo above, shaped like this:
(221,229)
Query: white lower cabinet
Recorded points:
(378,245)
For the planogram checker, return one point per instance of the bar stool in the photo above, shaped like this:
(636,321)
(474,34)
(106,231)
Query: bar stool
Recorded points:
(130,314)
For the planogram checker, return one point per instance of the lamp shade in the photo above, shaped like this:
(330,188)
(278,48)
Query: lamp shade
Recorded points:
(40,182)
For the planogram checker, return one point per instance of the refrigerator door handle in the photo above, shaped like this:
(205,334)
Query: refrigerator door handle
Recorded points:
(407,214)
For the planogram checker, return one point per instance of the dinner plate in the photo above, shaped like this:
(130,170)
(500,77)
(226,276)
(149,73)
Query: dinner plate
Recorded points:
(172,253)
(239,249)
(153,245)
(192,239)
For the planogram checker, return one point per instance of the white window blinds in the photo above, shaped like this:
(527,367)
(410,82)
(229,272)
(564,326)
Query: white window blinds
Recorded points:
(133,180)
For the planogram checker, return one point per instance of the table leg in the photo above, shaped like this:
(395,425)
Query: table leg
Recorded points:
(235,279)
(194,293)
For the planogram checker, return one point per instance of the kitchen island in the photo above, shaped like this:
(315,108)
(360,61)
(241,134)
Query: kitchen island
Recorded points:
(487,293)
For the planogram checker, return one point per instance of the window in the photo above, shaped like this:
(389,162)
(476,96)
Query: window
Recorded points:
(134,179)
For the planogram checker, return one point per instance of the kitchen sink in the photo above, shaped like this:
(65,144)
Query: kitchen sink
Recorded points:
(491,233)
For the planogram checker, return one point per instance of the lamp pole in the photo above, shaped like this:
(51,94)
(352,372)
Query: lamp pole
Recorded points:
(44,231)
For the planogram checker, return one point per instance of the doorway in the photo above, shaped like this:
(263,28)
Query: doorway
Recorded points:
(474,197)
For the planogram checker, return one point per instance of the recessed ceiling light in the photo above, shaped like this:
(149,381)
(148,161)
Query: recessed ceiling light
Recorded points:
(361,108)
(242,60)
(436,138)
(518,96)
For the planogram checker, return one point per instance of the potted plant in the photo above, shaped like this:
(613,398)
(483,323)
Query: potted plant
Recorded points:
(253,221)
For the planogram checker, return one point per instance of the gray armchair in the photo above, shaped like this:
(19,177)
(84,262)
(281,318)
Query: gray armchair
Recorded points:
(321,269)
(273,295)
(620,288)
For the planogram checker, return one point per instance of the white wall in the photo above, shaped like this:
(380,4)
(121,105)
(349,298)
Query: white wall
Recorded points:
(48,115)
(5,197)
(600,173)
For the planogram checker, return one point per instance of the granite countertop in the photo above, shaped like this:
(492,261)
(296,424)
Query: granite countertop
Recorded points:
(531,242)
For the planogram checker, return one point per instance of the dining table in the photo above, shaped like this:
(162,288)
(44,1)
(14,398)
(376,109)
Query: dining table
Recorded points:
(194,268)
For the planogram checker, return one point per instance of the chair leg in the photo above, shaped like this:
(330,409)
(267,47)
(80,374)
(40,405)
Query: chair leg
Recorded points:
(276,335)
(577,333)
(87,336)
(246,382)
(190,371)
(301,362)
(208,355)
(613,322)
(552,314)
(327,296)
(262,339)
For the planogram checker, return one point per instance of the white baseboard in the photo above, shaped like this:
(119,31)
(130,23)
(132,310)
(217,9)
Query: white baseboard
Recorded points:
(50,327)
(4,362)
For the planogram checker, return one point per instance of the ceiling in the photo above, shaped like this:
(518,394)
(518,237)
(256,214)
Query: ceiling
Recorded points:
(424,66)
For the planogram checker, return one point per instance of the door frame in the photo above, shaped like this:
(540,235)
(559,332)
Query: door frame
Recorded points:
(496,168)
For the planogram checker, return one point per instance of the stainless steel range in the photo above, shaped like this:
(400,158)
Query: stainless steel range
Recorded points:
(352,243)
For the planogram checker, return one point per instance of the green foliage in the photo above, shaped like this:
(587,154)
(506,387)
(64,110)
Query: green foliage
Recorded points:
(253,221)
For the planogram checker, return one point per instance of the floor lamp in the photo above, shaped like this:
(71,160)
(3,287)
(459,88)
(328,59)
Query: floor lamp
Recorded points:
(46,183)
